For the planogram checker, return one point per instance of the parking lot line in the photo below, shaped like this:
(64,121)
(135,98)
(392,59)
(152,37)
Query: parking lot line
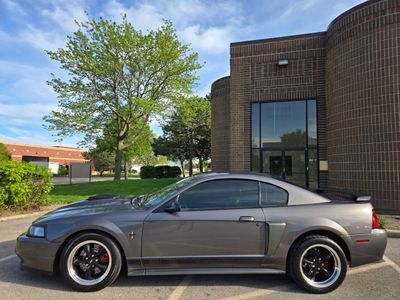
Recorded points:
(368,267)
(392,264)
(261,292)
(177,293)
(7,258)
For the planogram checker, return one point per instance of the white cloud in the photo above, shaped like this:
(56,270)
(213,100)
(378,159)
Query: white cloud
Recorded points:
(64,14)
(186,17)
(212,39)
(16,130)
(41,39)
(298,6)
(29,111)
(13,6)
(143,16)
(30,138)
(25,82)
(5,38)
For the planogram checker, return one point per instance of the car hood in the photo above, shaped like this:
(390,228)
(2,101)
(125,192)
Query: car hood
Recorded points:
(91,207)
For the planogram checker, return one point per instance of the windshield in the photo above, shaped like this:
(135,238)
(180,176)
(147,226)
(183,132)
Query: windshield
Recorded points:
(165,193)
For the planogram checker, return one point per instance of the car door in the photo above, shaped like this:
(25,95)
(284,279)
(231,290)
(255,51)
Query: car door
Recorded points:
(220,224)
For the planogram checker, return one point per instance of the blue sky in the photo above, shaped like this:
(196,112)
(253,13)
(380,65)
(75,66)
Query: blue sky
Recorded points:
(27,27)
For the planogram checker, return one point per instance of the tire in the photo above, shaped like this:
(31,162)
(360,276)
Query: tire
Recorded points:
(90,262)
(317,264)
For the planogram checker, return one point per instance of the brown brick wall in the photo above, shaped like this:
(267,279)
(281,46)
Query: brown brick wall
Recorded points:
(352,70)
(363,101)
(220,124)
(255,76)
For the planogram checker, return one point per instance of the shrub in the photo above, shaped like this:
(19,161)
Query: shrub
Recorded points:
(159,172)
(62,171)
(23,185)
(382,222)
(4,153)
(174,172)
(147,172)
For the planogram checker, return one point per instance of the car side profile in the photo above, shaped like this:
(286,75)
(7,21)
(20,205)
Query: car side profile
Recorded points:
(217,223)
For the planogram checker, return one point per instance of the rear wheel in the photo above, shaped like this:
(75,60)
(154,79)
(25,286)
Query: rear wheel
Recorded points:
(90,262)
(317,264)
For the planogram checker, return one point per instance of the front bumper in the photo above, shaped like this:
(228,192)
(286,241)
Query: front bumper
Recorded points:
(36,253)
(367,252)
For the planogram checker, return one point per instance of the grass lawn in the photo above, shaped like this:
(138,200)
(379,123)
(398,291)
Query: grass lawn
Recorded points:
(67,193)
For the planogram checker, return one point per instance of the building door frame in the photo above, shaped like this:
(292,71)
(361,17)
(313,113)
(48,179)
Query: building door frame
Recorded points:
(284,166)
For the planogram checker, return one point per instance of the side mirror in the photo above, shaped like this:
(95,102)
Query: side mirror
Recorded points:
(175,207)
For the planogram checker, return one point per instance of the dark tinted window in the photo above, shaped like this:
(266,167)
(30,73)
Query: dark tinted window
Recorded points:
(220,194)
(272,195)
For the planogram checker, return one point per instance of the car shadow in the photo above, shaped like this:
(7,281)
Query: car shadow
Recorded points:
(256,281)
(11,273)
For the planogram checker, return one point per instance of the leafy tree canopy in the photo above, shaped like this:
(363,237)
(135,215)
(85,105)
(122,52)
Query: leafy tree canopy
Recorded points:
(187,132)
(119,77)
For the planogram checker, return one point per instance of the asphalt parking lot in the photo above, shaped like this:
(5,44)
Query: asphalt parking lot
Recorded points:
(374,281)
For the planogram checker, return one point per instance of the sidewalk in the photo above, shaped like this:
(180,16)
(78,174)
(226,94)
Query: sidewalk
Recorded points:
(392,225)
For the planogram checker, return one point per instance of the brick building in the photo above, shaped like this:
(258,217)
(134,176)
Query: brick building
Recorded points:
(319,109)
(51,157)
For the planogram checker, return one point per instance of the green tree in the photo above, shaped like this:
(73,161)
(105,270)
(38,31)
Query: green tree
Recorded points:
(172,145)
(140,147)
(138,143)
(102,160)
(187,132)
(4,153)
(118,75)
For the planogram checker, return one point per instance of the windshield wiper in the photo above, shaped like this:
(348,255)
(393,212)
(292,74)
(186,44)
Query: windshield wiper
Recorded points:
(142,198)
(134,200)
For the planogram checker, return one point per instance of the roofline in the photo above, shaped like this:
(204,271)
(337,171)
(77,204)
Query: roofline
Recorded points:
(280,38)
(221,79)
(351,10)
(47,147)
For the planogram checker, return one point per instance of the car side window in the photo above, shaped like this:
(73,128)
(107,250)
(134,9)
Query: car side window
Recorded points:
(272,195)
(220,194)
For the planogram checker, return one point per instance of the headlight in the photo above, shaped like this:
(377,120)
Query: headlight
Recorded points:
(36,231)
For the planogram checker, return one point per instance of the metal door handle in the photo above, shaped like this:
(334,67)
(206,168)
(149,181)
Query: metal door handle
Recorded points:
(246,219)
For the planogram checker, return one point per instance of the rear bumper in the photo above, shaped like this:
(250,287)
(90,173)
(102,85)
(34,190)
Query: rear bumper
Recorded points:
(36,253)
(369,248)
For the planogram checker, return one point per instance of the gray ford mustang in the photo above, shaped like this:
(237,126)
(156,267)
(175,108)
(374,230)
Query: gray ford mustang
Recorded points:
(208,224)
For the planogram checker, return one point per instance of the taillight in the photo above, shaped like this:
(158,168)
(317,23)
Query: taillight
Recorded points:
(375,221)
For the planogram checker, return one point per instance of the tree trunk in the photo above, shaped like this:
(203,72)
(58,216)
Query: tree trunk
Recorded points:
(126,169)
(183,167)
(190,166)
(191,154)
(118,161)
(201,164)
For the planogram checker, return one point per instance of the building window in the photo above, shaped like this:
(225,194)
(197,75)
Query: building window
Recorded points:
(284,140)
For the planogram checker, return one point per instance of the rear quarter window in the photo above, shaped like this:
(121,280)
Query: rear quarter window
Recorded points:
(272,195)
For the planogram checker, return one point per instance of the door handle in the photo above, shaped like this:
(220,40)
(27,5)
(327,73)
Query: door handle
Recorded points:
(246,219)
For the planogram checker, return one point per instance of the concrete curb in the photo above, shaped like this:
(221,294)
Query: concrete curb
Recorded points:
(393,233)
(38,213)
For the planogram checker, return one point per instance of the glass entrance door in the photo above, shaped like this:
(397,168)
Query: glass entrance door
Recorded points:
(288,165)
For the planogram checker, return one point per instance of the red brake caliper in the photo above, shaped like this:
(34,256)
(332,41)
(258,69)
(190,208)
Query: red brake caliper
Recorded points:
(105,257)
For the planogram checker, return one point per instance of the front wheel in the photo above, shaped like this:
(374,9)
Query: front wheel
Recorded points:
(90,262)
(317,264)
